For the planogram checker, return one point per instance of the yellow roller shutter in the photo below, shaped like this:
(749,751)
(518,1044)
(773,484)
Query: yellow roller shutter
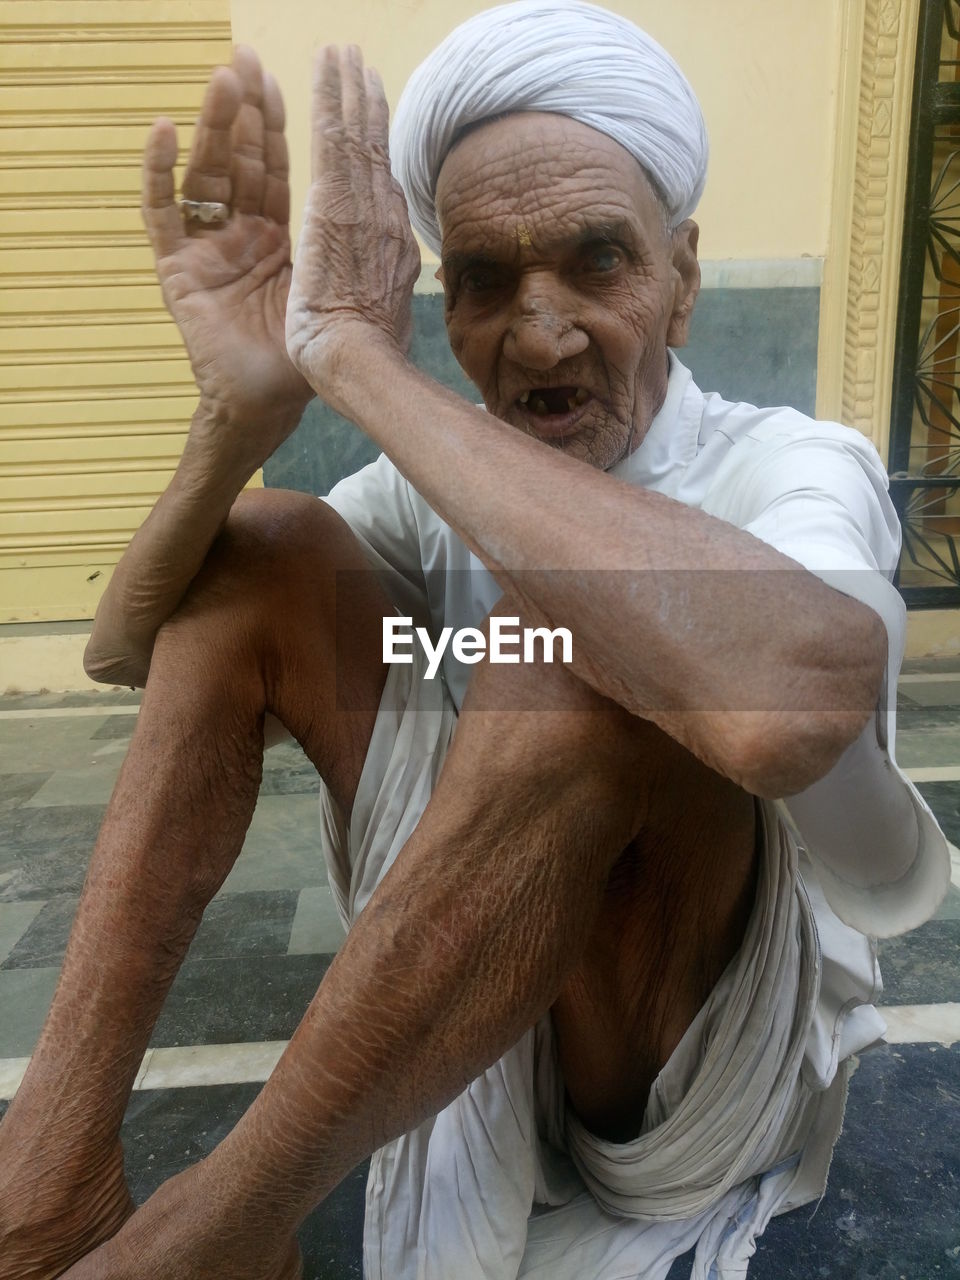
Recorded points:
(95,390)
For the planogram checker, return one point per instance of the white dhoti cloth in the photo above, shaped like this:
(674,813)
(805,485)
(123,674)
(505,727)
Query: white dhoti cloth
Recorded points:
(740,1124)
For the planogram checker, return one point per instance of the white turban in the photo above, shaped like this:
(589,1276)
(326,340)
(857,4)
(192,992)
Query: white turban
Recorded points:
(562,56)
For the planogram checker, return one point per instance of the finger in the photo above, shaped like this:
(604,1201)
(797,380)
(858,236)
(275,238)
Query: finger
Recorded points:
(247,168)
(354,92)
(276,192)
(327,141)
(378,115)
(161,215)
(208,170)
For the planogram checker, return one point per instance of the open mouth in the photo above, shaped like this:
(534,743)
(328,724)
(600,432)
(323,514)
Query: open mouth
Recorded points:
(552,413)
(550,402)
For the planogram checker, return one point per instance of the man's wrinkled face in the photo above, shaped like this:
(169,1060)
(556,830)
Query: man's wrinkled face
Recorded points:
(563,285)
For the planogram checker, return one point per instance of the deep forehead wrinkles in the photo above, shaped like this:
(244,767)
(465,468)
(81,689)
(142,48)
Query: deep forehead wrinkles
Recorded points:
(548,178)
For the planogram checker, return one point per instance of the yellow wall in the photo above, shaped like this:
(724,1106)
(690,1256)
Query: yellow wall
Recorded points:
(766,74)
(95,389)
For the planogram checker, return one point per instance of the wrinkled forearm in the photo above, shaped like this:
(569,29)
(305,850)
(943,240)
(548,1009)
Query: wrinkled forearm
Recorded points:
(163,558)
(751,662)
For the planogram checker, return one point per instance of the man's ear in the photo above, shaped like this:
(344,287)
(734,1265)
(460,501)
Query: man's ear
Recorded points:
(685,239)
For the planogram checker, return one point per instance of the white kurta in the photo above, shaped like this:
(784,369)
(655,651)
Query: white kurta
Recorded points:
(505,1182)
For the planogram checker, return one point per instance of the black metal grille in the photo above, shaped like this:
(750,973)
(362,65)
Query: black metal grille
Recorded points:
(925,428)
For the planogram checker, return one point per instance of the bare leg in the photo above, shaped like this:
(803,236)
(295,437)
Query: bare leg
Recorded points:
(572,857)
(488,918)
(673,915)
(174,827)
(485,917)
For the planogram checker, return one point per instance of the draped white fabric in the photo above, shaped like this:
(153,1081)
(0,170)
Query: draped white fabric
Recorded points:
(560,56)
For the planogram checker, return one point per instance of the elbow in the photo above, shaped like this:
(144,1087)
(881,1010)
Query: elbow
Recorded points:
(106,668)
(796,755)
(789,751)
(830,709)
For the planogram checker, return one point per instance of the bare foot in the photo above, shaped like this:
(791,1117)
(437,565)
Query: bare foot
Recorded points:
(50,1218)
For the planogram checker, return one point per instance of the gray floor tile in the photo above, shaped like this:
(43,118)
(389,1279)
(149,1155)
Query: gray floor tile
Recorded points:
(286,771)
(15,919)
(316,926)
(218,1001)
(950,907)
(25,996)
(116,727)
(45,852)
(922,967)
(251,924)
(892,1206)
(934,693)
(37,746)
(234,924)
(282,849)
(17,788)
(938,665)
(43,944)
(919,748)
(930,716)
(95,696)
(944,799)
(242,999)
(88,784)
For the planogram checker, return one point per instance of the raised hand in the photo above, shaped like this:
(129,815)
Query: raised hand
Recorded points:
(357,260)
(226,284)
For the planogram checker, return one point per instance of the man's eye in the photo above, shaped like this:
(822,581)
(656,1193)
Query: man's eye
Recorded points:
(604,258)
(478,279)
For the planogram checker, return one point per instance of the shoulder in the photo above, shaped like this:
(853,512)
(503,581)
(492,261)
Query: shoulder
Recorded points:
(779,458)
(748,435)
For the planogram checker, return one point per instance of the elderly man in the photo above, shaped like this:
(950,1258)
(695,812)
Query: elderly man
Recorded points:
(589,1014)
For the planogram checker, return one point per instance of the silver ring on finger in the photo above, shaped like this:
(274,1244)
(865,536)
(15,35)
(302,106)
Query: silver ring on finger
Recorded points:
(213,212)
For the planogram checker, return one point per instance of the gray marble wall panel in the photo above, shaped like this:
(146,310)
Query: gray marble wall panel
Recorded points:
(758,345)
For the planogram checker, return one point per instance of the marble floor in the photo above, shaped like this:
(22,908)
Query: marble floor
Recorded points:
(892,1210)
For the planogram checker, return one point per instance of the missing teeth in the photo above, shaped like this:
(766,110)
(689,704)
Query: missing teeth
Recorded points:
(537,402)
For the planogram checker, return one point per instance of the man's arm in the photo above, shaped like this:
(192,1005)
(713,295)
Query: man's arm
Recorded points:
(226,287)
(168,549)
(749,661)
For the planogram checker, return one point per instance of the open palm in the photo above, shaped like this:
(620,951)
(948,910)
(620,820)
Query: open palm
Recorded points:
(226,285)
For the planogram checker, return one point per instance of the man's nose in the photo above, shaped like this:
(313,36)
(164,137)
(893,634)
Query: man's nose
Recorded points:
(541,336)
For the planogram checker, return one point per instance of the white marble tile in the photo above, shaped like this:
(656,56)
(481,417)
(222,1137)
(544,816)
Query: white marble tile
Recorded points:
(208,1064)
(922,1023)
(12,1071)
(935,773)
(144,1067)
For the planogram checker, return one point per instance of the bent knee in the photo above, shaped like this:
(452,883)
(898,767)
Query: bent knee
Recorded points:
(277,530)
(528,668)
